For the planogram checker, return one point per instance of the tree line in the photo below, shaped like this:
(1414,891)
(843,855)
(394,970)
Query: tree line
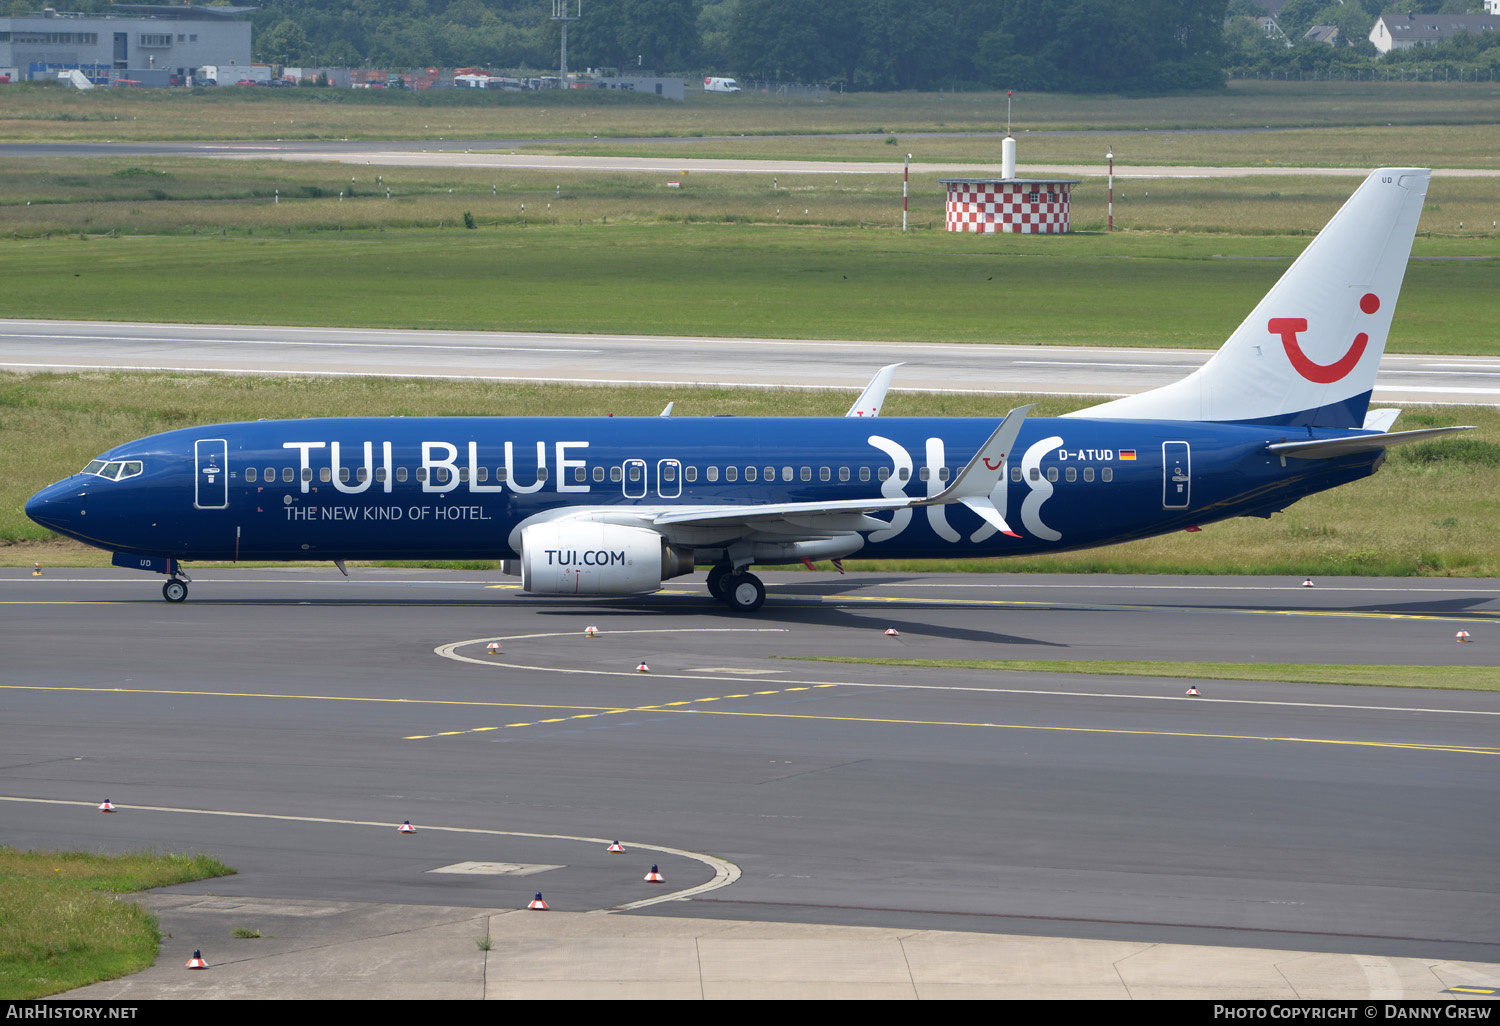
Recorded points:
(1036,45)
(1074,45)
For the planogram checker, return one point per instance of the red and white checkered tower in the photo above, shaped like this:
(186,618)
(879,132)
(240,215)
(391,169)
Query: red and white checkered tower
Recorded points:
(1027,206)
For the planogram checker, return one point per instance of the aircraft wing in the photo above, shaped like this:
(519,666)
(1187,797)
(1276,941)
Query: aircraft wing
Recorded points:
(1329,448)
(971,487)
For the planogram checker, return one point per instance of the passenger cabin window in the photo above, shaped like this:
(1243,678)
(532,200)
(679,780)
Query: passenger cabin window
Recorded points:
(824,474)
(401,475)
(1015,473)
(1088,473)
(885,473)
(1072,474)
(843,473)
(1051,473)
(598,473)
(307,473)
(711,473)
(690,474)
(1107,474)
(751,473)
(578,474)
(864,474)
(286,475)
(905,474)
(615,475)
(731,473)
(251,474)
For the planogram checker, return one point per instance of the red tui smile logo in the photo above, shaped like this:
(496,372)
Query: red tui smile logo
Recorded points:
(1323,374)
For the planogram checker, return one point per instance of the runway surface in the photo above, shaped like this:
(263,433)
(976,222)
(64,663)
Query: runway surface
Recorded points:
(288,719)
(510,154)
(36,345)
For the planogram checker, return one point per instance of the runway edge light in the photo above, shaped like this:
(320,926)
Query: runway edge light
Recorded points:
(1192,691)
(655,876)
(406,828)
(616,848)
(891,632)
(36,569)
(106,807)
(1464,636)
(591,631)
(493,648)
(537,902)
(1308,583)
(196,962)
(643,668)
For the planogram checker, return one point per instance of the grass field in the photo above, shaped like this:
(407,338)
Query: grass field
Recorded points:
(58,114)
(166,196)
(1437,503)
(726,280)
(1456,678)
(61,925)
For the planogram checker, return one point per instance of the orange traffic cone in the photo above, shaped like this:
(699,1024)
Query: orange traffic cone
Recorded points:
(196,962)
(643,668)
(406,828)
(1464,636)
(106,807)
(655,876)
(493,648)
(616,848)
(537,902)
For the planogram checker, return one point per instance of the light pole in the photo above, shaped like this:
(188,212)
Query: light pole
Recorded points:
(1110,156)
(905,178)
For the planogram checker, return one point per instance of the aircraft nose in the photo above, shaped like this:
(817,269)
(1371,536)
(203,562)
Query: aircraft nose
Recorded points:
(57,506)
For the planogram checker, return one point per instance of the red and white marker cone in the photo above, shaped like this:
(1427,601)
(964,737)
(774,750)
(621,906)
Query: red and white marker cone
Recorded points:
(106,807)
(1192,691)
(643,668)
(616,848)
(537,902)
(1464,636)
(591,631)
(196,962)
(655,876)
(493,648)
(1308,583)
(891,632)
(406,828)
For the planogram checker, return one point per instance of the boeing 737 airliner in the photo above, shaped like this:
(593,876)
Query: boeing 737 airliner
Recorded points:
(616,506)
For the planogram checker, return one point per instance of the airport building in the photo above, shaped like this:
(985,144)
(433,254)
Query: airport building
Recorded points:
(145,43)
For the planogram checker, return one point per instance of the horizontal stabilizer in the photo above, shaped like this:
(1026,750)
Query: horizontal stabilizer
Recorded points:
(1380,420)
(1329,448)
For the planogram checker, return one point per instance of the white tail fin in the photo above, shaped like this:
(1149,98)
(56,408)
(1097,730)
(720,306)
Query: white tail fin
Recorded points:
(1308,353)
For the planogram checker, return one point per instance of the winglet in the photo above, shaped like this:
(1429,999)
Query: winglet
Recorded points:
(873,397)
(974,483)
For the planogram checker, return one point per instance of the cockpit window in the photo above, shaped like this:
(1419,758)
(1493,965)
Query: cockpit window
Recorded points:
(114,470)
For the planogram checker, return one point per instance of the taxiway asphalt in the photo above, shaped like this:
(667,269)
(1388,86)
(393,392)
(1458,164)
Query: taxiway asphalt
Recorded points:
(288,720)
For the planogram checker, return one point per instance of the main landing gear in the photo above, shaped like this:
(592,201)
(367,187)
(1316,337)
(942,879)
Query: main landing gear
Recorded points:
(737,589)
(175,590)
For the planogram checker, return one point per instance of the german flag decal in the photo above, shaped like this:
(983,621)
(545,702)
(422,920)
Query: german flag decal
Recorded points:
(1127,454)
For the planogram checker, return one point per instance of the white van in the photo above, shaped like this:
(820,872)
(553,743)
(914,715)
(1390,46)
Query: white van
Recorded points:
(720,85)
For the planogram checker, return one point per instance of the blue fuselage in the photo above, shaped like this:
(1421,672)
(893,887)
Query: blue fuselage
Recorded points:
(455,488)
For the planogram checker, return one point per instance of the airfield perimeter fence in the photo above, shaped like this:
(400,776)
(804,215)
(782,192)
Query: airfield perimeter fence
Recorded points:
(1428,72)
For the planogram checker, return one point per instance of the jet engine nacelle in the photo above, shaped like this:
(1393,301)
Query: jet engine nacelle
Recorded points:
(579,558)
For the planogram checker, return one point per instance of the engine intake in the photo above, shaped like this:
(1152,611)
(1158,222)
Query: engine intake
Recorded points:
(578,558)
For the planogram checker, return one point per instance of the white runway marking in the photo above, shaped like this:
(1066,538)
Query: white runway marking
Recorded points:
(725,872)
